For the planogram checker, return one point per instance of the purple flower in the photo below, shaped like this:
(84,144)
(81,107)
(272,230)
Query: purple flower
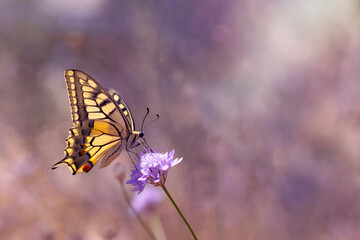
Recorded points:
(152,167)
(146,203)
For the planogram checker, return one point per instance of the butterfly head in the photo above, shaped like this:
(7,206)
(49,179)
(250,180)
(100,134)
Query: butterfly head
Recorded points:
(137,139)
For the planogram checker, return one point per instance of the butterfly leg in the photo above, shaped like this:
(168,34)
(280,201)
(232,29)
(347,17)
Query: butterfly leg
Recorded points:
(131,158)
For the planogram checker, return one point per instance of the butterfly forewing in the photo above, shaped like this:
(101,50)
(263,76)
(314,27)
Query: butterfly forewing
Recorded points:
(123,107)
(90,101)
(103,123)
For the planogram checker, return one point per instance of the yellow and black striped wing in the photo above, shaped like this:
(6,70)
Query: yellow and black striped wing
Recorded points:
(90,101)
(88,142)
(123,107)
(102,123)
(134,139)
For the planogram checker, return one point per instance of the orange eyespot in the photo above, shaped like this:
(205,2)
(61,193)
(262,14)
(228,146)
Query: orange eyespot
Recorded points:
(87,167)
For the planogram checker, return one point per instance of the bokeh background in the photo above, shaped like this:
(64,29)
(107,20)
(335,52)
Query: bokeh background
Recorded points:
(261,98)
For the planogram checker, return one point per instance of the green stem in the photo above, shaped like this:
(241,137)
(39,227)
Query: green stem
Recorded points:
(138,217)
(177,208)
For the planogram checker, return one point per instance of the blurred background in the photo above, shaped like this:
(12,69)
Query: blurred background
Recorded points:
(261,98)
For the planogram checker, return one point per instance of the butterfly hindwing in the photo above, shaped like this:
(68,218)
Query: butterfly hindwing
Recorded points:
(90,141)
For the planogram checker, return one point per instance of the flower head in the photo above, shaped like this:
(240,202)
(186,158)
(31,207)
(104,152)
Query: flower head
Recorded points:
(152,167)
(147,202)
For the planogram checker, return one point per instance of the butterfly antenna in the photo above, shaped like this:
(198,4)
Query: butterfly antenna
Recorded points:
(147,113)
(157,117)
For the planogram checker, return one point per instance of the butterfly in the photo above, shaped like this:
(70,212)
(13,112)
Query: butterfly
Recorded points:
(103,124)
